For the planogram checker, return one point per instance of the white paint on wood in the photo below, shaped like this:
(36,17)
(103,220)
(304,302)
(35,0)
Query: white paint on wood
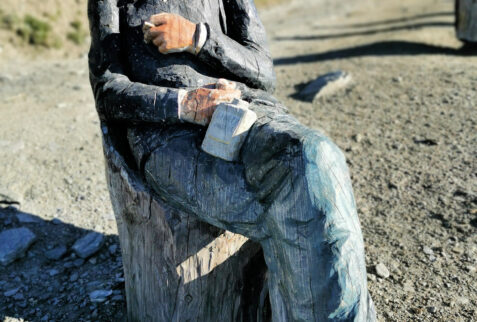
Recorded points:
(228,129)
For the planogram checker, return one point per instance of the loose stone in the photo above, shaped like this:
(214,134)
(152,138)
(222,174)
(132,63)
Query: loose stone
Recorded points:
(88,245)
(382,271)
(325,85)
(56,253)
(113,248)
(14,243)
(74,277)
(25,218)
(427,250)
(11,292)
(100,296)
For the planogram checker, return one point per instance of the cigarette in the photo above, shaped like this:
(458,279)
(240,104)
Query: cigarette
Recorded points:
(148,25)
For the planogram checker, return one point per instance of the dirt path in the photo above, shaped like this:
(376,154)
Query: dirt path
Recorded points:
(408,125)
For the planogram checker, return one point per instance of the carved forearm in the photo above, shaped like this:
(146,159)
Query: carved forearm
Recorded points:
(119,99)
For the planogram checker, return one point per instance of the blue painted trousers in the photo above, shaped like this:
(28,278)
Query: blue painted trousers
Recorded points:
(291,192)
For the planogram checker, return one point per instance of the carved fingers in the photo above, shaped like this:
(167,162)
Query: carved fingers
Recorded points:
(170,33)
(225,84)
(222,83)
(199,105)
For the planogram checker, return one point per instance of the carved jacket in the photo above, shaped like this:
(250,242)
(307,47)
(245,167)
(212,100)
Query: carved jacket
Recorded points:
(132,82)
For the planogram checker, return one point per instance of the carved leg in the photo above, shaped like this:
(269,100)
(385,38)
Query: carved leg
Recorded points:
(315,253)
(295,199)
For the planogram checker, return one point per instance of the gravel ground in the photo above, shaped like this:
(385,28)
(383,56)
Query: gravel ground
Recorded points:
(407,123)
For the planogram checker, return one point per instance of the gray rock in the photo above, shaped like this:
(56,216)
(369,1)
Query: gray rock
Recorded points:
(53,272)
(56,221)
(14,243)
(100,296)
(426,141)
(11,292)
(357,138)
(56,253)
(427,250)
(25,218)
(117,298)
(324,85)
(68,264)
(397,79)
(432,309)
(371,277)
(113,248)
(462,301)
(74,277)
(382,271)
(18,297)
(88,244)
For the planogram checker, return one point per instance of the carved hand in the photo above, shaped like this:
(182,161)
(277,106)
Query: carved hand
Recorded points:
(199,105)
(171,33)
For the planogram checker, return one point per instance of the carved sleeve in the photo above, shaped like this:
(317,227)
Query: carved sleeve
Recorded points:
(118,98)
(240,48)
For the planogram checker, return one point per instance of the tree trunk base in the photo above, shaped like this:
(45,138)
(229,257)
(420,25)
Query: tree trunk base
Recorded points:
(177,268)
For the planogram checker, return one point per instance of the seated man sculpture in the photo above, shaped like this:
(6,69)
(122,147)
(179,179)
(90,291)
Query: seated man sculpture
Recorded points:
(152,64)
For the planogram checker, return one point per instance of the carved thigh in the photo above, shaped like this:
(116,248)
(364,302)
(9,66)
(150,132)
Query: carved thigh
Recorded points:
(214,190)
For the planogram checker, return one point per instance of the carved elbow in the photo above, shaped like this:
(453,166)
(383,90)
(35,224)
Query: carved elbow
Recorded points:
(268,80)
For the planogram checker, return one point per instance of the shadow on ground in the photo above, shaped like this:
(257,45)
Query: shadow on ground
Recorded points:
(381,48)
(388,21)
(37,288)
(369,32)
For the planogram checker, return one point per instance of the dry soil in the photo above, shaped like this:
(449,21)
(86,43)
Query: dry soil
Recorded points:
(407,123)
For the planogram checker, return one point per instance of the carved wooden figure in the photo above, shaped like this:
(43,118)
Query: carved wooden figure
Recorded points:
(157,70)
(466,20)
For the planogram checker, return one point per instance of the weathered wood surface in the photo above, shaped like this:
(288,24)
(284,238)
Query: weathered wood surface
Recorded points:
(176,267)
(466,20)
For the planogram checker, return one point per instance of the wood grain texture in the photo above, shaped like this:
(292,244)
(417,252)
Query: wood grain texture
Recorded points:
(177,268)
(466,20)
